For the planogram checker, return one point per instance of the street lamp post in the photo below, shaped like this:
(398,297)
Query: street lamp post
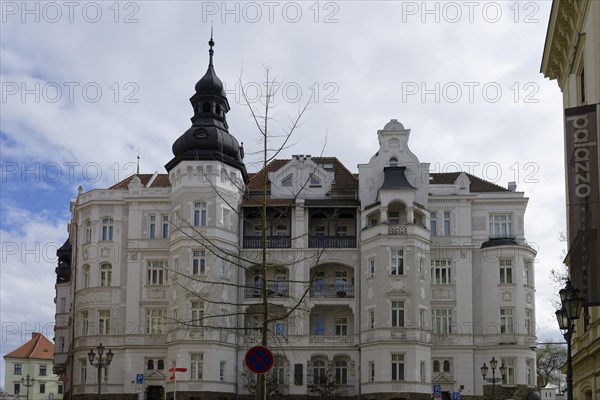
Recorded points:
(27,383)
(493,379)
(566,316)
(100,362)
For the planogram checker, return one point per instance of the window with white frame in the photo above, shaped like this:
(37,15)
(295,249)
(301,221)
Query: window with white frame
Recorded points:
(441,321)
(103,322)
(319,326)
(397,367)
(341,326)
(396,262)
(199,262)
(17,370)
(85,322)
(43,370)
(529,372)
(165,226)
(287,181)
(224,268)
(393,218)
(447,365)
(197,313)
(155,320)
(87,238)
(433,223)
(341,230)
(446,223)
(319,372)
(441,272)
(527,272)
(280,328)
(107,229)
(422,371)
(156,273)
(151,226)
(82,370)
(507,320)
(281,230)
(371,270)
(196,366)
(320,230)
(506,270)
(397,308)
(371,371)
(341,372)
(86,276)
(509,378)
(422,324)
(222,365)
(105,275)
(199,213)
(500,225)
(371,319)
(278,371)
(529,325)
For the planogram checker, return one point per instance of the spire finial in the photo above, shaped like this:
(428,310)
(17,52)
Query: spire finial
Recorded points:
(138,161)
(211,43)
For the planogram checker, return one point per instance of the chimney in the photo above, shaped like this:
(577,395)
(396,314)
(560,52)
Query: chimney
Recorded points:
(512,186)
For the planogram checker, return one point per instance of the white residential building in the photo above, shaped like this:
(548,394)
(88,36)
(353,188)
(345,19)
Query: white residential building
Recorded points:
(405,279)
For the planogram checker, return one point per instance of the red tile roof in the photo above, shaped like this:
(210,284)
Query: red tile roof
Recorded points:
(478,185)
(38,347)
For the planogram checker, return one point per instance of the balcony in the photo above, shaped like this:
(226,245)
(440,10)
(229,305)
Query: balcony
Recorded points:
(273,242)
(338,242)
(332,290)
(331,339)
(274,290)
(397,230)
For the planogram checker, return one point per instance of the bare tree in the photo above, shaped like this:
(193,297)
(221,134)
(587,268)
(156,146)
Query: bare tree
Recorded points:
(550,358)
(324,382)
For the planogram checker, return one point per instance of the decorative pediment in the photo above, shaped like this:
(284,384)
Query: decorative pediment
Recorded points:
(442,378)
(154,374)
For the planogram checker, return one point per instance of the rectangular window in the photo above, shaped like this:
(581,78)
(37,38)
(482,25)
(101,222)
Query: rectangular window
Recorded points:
(320,230)
(446,223)
(341,372)
(526,273)
(422,319)
(17,388)
(17,370)
(196,366)
(152,226)
(371,371)
(529,372)
(500,225)
(371,319)
(107,229)
(396,262)
(440,272)
(278,374)
(86,276)
(319,326)
(433,223)
(373,222)
(84,323)
(199,262)
(529,326)
(59,389)
(397,314)
(441,321)
(371,262)
(506,275)
(506,320)
(298,374)
(397,367)
(393,218)
(155,321)
(103,322)
(422,371)
(509,378)
(165,226)
(226,218)
(281,230)
(280,328)
(42,388)
(341,230)
(199,213)
(222,371)
(83,370)
(341,326)
(156,274)
(105,275)
(224,269)
(197,313)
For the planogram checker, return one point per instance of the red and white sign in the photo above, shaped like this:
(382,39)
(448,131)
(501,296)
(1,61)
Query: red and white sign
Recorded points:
(177,369)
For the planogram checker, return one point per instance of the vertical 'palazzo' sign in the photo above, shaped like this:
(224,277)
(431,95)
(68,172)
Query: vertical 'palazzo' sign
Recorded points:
(581,134)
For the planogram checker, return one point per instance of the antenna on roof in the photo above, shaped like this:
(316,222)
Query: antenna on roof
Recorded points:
(138,162)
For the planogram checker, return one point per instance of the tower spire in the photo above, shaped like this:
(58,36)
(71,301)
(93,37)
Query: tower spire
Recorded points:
(211,43)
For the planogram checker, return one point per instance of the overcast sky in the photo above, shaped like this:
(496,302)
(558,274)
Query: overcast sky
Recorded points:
(87,84)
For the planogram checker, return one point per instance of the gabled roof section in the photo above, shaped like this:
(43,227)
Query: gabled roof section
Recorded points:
(161,180)
(344,181)
(38,347)
(478,185)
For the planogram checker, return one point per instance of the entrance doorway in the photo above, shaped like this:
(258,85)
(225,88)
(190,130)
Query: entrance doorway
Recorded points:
(155,393)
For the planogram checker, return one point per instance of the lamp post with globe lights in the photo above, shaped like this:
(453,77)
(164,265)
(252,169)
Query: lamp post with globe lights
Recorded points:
(101,361)
(27,383)
(572,304)
(493,379)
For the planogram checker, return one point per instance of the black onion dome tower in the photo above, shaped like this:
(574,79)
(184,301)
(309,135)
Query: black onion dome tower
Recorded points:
(208,139)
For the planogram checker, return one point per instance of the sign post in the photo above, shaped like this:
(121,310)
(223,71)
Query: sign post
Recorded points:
(172,378)
(259,359)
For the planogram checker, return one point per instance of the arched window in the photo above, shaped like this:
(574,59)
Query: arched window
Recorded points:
(86,276)
(341,372)
(107,229)
(150,365)
(436,366)
(206,107)
(319,372)
(88,232)
(393,162)
(446,365)
(161,365)
(199,213)
(105,274)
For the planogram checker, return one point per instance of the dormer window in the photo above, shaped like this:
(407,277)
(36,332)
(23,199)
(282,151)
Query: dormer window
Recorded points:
(218,109)
(287,181)
(314,181)
(393,162)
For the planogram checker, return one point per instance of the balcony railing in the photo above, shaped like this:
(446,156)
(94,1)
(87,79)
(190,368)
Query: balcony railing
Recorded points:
(330,339)
(397,230)
(274,289)
(339,242)
(273,242)
(332,290)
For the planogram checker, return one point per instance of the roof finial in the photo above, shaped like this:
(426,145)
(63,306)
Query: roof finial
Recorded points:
(138,161)
(211,43)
